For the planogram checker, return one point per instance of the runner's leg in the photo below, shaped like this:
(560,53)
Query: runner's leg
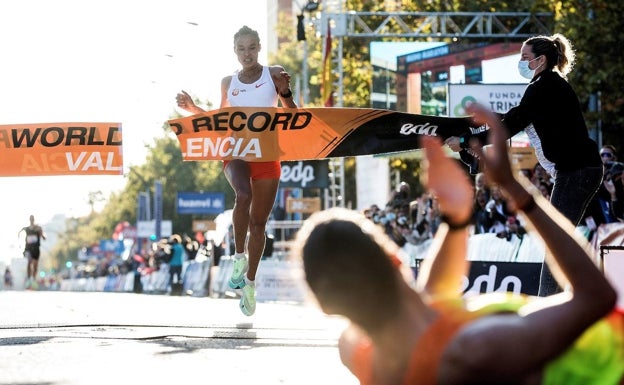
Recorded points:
(263,197)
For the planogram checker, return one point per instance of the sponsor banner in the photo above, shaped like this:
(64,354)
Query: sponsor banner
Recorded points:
(61,149)
(111,246)
(146,229)
(303,205)
(200,202)
(502,277)
(203,225)
(196,278)
(129,232)
(305,174)
(270,134)
(498,97)
(280,281)
(512,277)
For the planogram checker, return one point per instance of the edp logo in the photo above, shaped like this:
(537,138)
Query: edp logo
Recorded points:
(297,173)
(486,283)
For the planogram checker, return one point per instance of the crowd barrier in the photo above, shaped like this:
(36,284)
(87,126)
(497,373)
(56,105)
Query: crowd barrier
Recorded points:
(612,260)
(18,271)
(497,264)
(195,281)
(276,280)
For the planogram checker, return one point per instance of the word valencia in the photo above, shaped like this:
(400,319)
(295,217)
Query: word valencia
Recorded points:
(256,122)
(73,162)
(95,160)
(223,147)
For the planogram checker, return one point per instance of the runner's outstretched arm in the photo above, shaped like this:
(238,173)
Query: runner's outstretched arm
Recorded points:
(549,326)
(442,271)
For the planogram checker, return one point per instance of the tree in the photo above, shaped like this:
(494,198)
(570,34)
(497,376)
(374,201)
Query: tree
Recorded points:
(163,162)
(593,26)
(596,29)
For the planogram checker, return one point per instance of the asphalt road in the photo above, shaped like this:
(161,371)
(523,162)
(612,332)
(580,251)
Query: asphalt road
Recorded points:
(62,338)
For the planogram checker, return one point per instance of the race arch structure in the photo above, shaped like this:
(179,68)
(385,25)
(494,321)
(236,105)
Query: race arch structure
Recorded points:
(452,26)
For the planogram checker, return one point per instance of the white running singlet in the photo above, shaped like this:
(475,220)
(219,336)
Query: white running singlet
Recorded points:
(260,93)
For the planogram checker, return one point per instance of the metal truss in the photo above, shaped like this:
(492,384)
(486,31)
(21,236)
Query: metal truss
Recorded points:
(480,25)
(420,25)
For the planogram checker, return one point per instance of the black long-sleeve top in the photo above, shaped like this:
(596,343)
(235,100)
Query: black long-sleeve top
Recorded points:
(550,114)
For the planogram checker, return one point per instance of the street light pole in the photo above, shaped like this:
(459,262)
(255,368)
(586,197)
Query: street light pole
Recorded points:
(304,74)
(311,5)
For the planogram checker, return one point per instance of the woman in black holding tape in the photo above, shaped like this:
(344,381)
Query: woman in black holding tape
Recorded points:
(551,116)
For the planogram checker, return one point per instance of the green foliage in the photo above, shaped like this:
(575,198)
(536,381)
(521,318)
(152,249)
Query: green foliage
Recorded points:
(595,27)
(163,163)
(596,30)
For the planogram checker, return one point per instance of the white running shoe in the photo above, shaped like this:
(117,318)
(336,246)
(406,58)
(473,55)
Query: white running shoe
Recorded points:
(248,300)
(237,280)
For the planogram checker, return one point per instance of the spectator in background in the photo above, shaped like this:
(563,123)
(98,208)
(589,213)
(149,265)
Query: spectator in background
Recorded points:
(400,197)
(422,232)
(602,209)
(481,216)
(513,229)
(613,185)
(498,210)
(539,175)
(191,247)
(480,182)
(178,254)
(545,189)
(428,211)
(8,278)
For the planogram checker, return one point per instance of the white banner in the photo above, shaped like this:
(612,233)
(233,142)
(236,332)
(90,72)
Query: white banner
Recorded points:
(146,228)
(498,97)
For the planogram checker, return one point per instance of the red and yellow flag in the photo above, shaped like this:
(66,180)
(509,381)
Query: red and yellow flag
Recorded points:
(327,89)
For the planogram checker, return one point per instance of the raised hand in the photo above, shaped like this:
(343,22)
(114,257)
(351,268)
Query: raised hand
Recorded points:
(282,82)
(445,178)
(495,157)
(184,101)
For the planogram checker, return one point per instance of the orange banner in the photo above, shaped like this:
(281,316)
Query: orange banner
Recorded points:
(61,149)
(268,134)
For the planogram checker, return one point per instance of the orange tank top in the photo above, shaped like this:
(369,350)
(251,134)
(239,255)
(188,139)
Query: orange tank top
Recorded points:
(426,355)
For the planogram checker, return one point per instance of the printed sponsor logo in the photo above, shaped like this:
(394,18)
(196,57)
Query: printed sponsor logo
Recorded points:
(476,130)
(297,174)
(486,283)
(419,129)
